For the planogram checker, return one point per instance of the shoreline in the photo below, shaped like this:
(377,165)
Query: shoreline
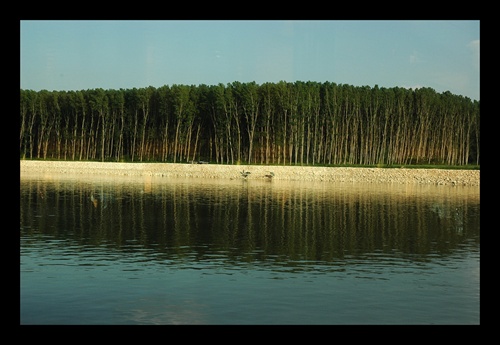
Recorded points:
(281,172)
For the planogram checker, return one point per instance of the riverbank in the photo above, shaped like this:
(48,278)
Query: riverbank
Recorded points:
(288,173)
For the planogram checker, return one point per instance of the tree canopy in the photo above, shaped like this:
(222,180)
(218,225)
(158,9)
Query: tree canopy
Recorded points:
(299,123)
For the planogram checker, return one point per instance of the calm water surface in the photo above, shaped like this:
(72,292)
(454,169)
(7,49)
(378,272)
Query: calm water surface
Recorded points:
(186,251)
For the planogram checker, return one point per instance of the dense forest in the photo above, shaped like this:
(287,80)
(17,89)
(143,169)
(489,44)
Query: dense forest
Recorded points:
(299,123)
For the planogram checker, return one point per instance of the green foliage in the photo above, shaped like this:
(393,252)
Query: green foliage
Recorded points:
(300,123)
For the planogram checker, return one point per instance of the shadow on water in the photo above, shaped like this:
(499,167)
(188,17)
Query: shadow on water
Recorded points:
(239,222)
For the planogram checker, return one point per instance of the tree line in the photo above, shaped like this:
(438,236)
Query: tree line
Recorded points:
(299,123)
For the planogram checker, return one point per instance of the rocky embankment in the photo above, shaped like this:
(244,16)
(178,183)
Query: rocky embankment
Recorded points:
(289,173)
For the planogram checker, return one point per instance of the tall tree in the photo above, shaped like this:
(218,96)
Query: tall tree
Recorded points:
(249,98)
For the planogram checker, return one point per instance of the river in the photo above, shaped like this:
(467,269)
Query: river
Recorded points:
(153,250)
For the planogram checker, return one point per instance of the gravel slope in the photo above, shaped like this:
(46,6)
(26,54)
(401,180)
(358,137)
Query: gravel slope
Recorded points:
(290,173)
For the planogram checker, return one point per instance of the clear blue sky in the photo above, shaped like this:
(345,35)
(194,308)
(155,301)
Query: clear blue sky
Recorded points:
(80,55)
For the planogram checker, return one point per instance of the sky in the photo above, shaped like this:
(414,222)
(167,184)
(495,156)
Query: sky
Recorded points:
(65,55)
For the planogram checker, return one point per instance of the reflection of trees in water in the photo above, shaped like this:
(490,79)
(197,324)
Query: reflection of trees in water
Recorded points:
(247,223)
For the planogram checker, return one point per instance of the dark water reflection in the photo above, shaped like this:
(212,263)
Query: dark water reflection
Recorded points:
(385,239)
